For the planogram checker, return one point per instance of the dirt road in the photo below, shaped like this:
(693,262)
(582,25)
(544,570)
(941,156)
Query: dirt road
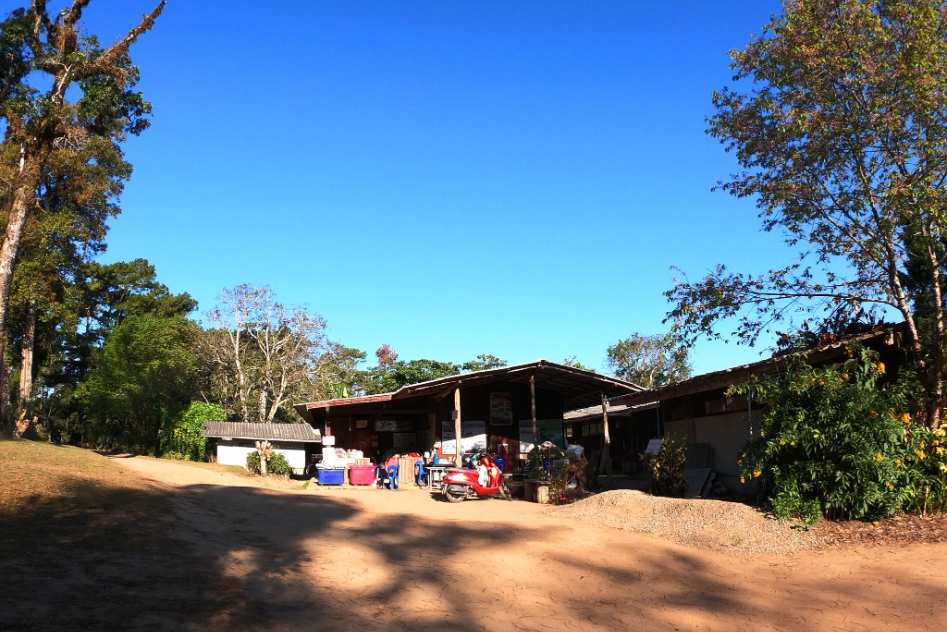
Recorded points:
(362,560)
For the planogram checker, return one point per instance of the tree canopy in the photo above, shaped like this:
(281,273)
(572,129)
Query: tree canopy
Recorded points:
(839,123)
(649,361)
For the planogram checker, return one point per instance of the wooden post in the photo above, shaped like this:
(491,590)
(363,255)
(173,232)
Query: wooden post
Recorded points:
(532,401)
(607,450)
(458,456)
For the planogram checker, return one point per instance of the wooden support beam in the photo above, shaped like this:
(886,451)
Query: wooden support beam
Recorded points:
(532,401)
(458,456)
(606,459)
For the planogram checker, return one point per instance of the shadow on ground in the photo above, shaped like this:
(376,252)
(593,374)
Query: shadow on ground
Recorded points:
(244,558)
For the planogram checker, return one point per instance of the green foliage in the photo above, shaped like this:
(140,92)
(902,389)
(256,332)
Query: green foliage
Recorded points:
(837,121)
(667,469)
(278,465)
(649,361)
(253,462)
(142,378)
(837,441)
(536,471)
(183,432)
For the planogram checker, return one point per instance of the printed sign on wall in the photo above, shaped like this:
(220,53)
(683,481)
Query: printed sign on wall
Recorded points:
(473,436)
(501,409)
(549,430)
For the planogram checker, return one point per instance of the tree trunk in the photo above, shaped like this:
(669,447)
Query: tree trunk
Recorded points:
(26,361)
(6,410)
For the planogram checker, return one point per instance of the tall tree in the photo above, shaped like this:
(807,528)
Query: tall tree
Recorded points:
(842,137)
(141,379)
(42,63)
(265,350)
(649,361)
(79,193)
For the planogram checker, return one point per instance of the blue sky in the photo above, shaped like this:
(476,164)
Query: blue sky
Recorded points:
(449,177)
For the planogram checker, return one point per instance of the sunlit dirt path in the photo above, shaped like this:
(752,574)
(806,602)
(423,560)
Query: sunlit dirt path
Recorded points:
(358,559)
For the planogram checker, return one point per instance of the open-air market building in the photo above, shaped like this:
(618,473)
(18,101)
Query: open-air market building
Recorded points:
(496,410)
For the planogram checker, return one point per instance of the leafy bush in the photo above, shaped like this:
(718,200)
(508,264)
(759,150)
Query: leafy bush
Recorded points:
(836,441)
(667,469)
(278,465)
(559,484)
(183,433)
(174,456)
(253,462)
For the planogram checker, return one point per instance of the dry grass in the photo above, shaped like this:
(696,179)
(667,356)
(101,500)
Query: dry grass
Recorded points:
(86,545)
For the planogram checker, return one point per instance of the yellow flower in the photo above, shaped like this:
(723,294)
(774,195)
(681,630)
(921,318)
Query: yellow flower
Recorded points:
(880,458)
(943,467)
(881,367)
(876,523)
(920,454)
(941,451)
(874,413)
(898,461)
(845,375)
(848,349)
(742,479)
(922,444)
(821,382)
(756,474)
(906,418)
(890,485)
(782,442)
(792,443)
(739,461)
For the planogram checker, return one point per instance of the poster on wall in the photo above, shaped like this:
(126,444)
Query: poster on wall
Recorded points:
(501,409)
(549,430)
(473,437)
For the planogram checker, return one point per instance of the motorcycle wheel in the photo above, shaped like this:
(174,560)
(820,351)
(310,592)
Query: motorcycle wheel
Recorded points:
(454,497)
(505,492)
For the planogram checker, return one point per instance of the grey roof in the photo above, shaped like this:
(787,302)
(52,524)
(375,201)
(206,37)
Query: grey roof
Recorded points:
(577,387)
(726,377)
(270,432)
(593,412)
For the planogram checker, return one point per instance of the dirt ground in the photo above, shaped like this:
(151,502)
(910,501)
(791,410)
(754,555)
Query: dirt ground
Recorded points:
(339,559)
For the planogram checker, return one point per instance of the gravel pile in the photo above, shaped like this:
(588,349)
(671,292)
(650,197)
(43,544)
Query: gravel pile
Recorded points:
(703,524)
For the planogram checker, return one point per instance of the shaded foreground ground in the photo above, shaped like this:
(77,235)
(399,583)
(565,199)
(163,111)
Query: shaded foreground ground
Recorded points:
(278,558)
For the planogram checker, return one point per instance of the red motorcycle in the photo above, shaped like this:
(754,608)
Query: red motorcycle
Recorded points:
(486,480)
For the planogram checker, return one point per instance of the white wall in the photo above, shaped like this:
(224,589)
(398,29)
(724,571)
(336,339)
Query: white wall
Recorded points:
(237,455)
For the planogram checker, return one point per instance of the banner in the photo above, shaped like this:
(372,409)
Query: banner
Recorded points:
(549,430)
(473,437)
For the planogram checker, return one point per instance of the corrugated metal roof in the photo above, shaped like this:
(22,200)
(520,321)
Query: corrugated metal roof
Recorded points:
(576,386)
(269,432)
(726,377)
(613,409)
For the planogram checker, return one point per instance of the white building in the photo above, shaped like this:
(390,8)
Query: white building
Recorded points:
(236,440)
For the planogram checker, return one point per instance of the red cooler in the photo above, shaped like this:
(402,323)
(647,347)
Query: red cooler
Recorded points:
(361,474)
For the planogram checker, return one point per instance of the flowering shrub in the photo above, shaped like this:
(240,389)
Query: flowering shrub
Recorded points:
(838,442)
(560,490)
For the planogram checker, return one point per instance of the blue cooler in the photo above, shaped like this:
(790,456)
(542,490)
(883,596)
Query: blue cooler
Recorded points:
(331,475)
